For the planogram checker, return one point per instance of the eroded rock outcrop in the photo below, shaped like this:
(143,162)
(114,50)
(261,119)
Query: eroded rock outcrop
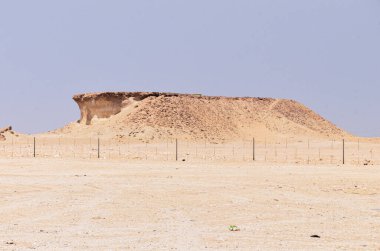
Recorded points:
(3,131)
(106,104)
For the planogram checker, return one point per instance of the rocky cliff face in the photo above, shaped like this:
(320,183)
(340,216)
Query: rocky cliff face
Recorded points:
(106,104)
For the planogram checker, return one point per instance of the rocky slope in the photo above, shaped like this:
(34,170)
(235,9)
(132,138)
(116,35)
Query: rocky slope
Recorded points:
(154,115)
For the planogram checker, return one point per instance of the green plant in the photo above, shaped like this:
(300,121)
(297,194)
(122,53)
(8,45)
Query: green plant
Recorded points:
(233,228)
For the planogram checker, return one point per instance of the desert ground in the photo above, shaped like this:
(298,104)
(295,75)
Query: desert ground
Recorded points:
(76,204)
(151,171)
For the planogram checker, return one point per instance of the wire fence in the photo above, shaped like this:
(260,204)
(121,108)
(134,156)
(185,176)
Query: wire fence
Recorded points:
(300,151)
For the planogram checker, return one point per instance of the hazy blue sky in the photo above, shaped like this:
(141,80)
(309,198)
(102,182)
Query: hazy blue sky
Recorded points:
(323,53)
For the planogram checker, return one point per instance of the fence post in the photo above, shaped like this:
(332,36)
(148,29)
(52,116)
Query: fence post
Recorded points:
(34,147)
(308,151)
(253,149)
(343,153)
(98,148)
(13,145)
(358,152)
(176,149)
(74,146)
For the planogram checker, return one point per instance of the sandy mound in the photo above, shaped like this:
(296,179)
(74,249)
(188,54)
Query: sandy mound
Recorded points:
(154,116)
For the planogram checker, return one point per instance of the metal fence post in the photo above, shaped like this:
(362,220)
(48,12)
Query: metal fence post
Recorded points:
(253,149)
(344,153)
(98,148)
(176,149)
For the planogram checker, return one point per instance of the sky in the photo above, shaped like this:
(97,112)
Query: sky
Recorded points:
(322,53)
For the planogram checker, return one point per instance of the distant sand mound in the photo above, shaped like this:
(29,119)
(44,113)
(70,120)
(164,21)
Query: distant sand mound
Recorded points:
(154,115)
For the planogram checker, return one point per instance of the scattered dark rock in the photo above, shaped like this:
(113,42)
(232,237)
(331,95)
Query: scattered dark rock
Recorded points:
(6,129)
(367,162)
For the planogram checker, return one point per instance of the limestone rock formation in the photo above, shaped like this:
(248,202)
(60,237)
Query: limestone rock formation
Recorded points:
(3,131)
(106,104)
(156,115)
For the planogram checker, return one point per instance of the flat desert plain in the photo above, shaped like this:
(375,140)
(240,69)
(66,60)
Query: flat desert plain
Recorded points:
(56,204)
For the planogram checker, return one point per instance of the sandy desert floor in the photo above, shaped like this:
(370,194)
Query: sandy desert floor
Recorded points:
(51,204)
